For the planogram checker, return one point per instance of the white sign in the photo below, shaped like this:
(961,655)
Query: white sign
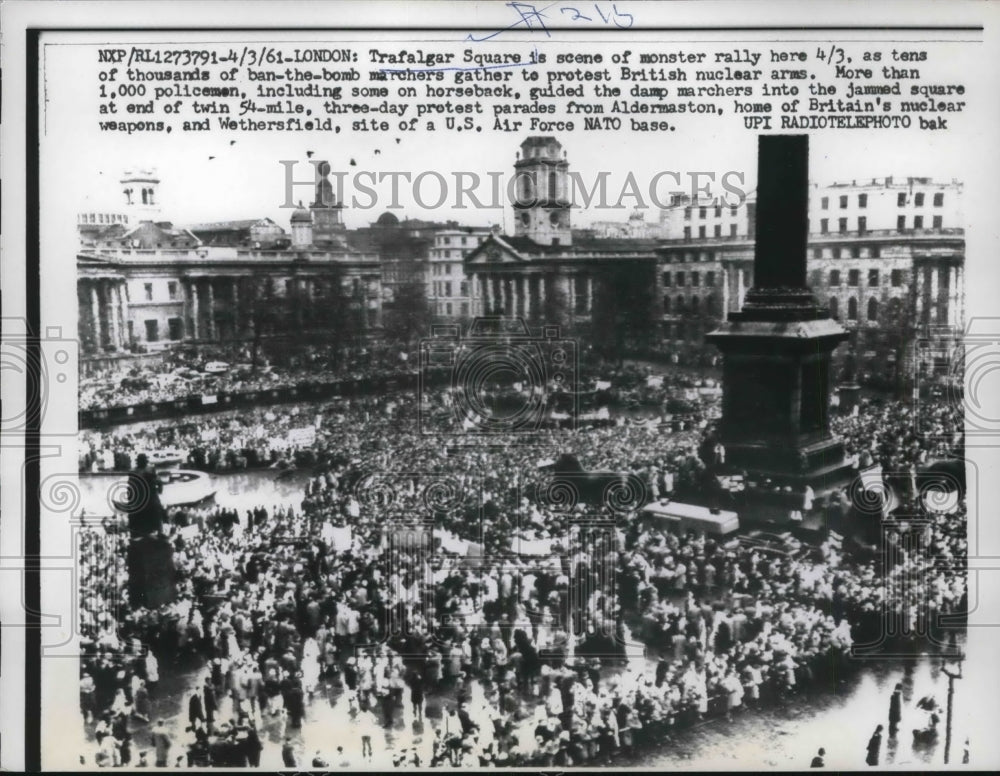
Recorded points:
(304,436)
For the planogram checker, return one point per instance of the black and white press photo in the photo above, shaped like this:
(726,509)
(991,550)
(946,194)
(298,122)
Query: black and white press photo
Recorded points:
(503,385)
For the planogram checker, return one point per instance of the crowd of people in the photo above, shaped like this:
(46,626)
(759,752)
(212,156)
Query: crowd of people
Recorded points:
(450,610)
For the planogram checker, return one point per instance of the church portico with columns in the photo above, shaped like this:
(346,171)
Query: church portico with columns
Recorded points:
(547,271)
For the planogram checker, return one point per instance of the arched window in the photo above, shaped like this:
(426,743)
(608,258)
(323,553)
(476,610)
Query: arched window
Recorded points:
(873,309)
(666,305)
(694,305)
(526,188)
(144,197)
(128,196)
(834,308)
(679,305)
(852,309)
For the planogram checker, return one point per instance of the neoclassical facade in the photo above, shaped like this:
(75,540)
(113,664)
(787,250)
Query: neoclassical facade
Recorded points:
(151,286)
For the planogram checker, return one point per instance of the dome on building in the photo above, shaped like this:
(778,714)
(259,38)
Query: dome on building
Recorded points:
(387,219)
(301,215)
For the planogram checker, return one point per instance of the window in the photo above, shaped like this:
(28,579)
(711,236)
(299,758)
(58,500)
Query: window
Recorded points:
(666,279)
(843,202)
(825,203)
(148,289)
(695,279)
(152,330)
(901,222)
(679,305)
(853,277)
(447,308)
(465,309)
(873,277)
(709,278)
(862,200)
(901,199)
(718,211)
(552,190)
(732,230)
(862,224)
(855,252)
(701,231)
(918,222)
(937,222)
(817,253)
(824,225)
(896,277)
(852,309)
(834,277)
(842,225)
(680,278)
(876,251)
(718,230)
(733,210)
(834,307)
(666,305)
(918,200)
(175,328)
(702,212)
(687,214)
(938,199)
(873,310)
(172,292)
(687,232)
(464,288)
(694,304)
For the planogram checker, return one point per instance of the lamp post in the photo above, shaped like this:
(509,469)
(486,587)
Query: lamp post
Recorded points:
(952,668)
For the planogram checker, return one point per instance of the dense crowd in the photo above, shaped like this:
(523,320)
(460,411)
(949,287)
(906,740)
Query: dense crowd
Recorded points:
(528,658)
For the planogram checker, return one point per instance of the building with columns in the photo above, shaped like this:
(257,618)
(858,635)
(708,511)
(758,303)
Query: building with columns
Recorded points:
(549,273)
(154,285)
(890,270)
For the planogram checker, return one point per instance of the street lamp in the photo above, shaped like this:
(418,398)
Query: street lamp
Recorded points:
(952,668)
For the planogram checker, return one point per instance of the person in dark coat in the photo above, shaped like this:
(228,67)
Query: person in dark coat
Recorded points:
(874,747)
(817,761)
(196,710)
(895,709)
(288,753)
(211,704)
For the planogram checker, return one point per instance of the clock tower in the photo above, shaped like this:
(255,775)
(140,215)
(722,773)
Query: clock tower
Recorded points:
(541,203)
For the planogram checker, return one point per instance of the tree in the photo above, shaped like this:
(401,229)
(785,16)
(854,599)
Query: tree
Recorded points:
(409,314)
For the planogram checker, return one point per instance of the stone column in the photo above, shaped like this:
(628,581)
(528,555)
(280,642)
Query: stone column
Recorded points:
(95,309)
(935,302)
(725,294)
(236,307)
(918,293)
(740,288)
(571,295)
(488,294)
(211,310)
(590,294)
(195,311)
(541,293)
(526,294)
(959,295)
(112,307)
(123,309)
